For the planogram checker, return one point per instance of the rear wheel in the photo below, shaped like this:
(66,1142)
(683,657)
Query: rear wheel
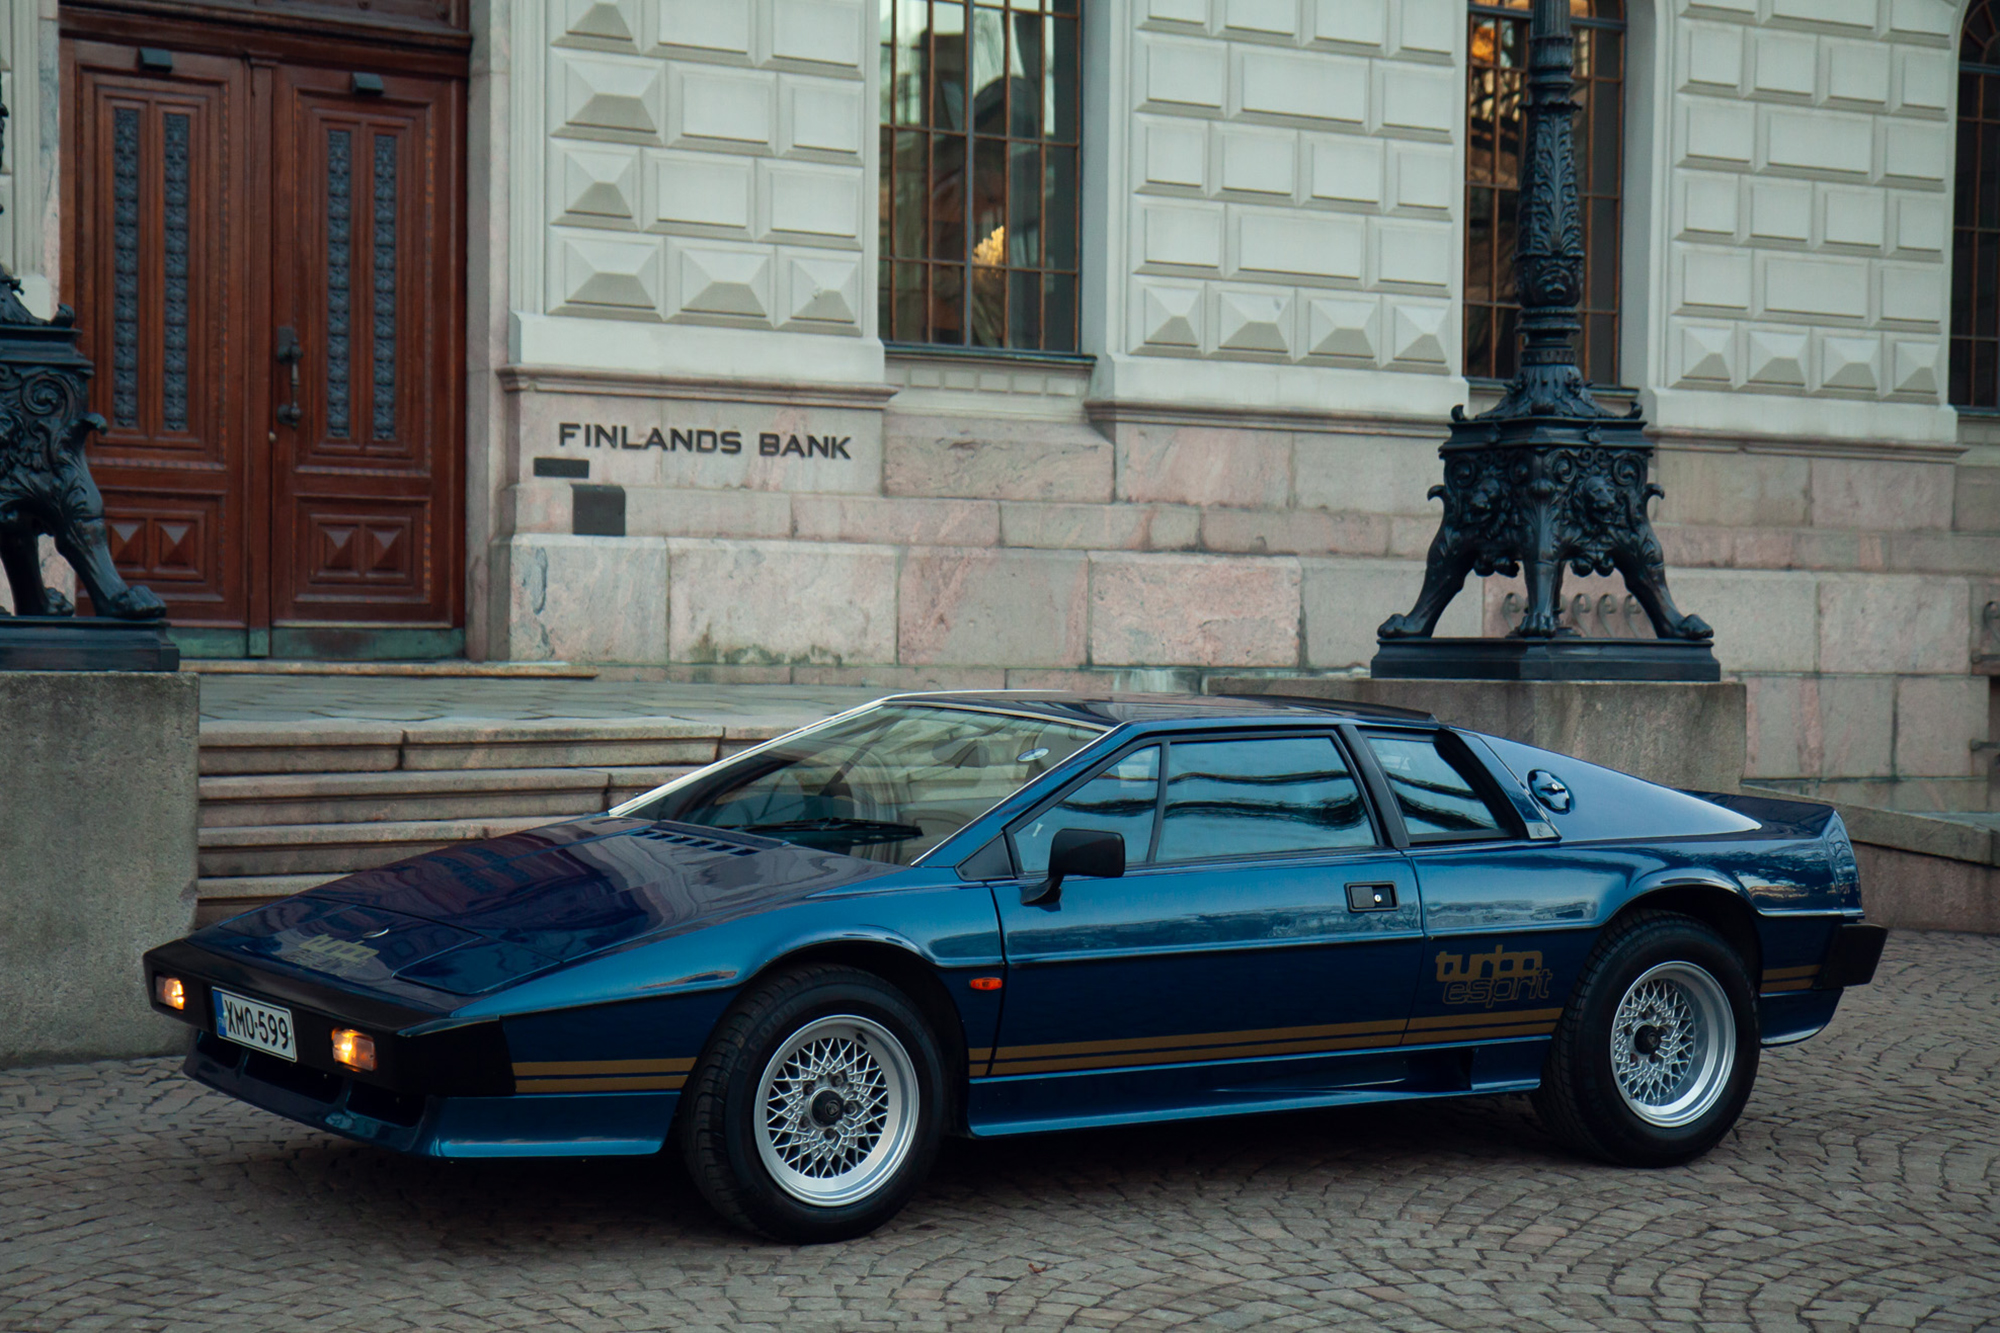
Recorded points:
(1657,1050)
(815,1112)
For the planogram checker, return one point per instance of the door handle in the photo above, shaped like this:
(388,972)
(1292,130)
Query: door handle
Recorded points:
(1371,897)
(290,353)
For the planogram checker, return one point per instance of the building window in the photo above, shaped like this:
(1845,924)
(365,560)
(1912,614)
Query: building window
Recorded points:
(1975,233)
(980,141)
(1496,93)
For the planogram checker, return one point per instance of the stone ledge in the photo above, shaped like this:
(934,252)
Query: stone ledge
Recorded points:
(1682,734)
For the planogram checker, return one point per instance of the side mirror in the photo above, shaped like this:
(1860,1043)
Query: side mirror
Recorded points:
(1091,853)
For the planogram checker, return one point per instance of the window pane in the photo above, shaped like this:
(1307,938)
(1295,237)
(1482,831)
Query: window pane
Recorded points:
(947,67)
(1024,204)
(1024,308)
(1024,77)
(1059,313)
(1433,796)
(1068,78)
(1059,195)
(1119,800)
(1241,798)
(947,307)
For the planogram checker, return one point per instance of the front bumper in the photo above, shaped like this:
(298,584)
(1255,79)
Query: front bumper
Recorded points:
(440,1093)
(590,1124)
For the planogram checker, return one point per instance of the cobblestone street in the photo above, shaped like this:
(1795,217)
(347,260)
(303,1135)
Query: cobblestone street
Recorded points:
(1862,1190)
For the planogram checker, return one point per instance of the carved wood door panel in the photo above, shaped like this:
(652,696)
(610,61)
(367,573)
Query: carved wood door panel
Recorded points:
(160,255)
(266,259)
(367,280)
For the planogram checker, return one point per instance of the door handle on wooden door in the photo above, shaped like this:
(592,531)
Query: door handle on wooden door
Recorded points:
(290,353)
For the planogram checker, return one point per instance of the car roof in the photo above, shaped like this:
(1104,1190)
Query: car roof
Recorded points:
(1117,709)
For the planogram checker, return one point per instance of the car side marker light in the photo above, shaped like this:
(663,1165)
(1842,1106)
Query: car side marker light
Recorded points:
(986,983)
(170,992)
(354,1049)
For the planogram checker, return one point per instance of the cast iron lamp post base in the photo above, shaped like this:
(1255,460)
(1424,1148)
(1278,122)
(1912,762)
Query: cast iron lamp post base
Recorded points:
(1548,479)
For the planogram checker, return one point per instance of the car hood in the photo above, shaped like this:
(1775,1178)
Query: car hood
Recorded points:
(470,918)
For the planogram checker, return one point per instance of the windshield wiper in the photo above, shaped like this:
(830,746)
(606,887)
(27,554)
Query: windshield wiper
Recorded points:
(852,832)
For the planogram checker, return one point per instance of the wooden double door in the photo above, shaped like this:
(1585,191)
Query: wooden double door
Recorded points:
(266,257)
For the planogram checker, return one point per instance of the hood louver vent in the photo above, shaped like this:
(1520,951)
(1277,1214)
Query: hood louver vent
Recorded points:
(705,844)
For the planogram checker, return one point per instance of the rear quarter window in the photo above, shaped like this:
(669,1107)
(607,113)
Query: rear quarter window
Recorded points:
(1439,795)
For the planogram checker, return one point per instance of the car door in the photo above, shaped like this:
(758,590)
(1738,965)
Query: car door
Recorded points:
(1263,930)
(1507,915)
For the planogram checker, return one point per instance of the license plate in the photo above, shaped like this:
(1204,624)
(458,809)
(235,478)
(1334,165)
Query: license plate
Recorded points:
(262,1027)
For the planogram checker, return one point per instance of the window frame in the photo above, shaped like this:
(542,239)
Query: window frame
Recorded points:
(1475,11)
(1463,761)
(1370,801)
(1068,345)
(1986,135)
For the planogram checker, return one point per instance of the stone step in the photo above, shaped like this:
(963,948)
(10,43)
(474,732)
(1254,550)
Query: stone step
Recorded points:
(243,800)
(331,745)
(327,851)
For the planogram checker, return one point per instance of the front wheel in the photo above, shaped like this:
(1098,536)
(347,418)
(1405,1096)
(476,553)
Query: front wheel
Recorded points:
(815,1112)
(1657,1050)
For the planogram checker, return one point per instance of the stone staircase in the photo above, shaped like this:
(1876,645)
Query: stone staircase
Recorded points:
(288,805)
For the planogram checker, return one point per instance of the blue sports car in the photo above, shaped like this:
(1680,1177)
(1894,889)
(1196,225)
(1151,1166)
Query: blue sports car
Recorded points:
(995,913)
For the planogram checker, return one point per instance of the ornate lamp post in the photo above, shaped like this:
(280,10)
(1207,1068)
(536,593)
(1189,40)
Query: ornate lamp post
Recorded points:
(46,488)
(1548,478)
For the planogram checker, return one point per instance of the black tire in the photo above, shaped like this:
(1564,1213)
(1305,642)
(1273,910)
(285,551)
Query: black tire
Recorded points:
(719,1120)
(1581,1101)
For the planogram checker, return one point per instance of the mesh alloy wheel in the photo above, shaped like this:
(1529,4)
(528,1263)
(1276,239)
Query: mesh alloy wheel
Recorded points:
(835,1110)
(1673,1044)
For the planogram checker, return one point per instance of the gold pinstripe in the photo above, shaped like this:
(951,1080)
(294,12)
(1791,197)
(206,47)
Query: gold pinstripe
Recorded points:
(655,1083)
(554,1068)
(1191,1048)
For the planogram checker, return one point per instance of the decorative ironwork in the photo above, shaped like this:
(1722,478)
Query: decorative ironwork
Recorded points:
(45,485)
(385,287)
(125,266)
(339,276)
(1548,478)
(175,358)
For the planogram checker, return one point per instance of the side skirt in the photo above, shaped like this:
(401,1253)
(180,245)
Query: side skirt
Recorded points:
(1038,1103)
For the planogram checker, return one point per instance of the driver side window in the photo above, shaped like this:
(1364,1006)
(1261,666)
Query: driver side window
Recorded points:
(1121,799)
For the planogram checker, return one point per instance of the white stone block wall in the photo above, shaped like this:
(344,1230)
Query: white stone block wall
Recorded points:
(1804,251)
(1272,275)
(1281,190)
(693,166)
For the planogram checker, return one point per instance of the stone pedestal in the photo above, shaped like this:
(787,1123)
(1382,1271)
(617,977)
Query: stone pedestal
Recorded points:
(1681,734)
(97,857)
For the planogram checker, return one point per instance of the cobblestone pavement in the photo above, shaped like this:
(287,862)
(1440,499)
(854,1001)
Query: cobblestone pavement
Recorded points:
(1861,1191)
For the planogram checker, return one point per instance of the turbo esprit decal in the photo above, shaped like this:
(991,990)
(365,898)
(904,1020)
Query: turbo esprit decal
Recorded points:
(1493,977)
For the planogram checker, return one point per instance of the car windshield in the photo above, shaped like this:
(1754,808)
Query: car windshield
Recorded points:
(889,783)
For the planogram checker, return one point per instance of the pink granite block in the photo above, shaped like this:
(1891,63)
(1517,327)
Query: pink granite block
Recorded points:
(781,603)
(995,460)
(967,607)
(1883,495)
(1937,720)
(1099,527)
(1293,532)
(1911,624)
(1204,465)
(1175,610)
(895,521)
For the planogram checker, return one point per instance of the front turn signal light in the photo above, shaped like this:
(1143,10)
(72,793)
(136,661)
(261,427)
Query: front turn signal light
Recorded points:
(354,1049)
(170,992)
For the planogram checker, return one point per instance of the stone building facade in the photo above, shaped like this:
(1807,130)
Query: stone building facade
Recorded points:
(691,449)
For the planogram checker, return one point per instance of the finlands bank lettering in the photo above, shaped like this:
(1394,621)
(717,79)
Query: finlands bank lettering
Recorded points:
(769,444)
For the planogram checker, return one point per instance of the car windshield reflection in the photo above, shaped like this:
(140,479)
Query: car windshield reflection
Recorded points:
(888,783)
